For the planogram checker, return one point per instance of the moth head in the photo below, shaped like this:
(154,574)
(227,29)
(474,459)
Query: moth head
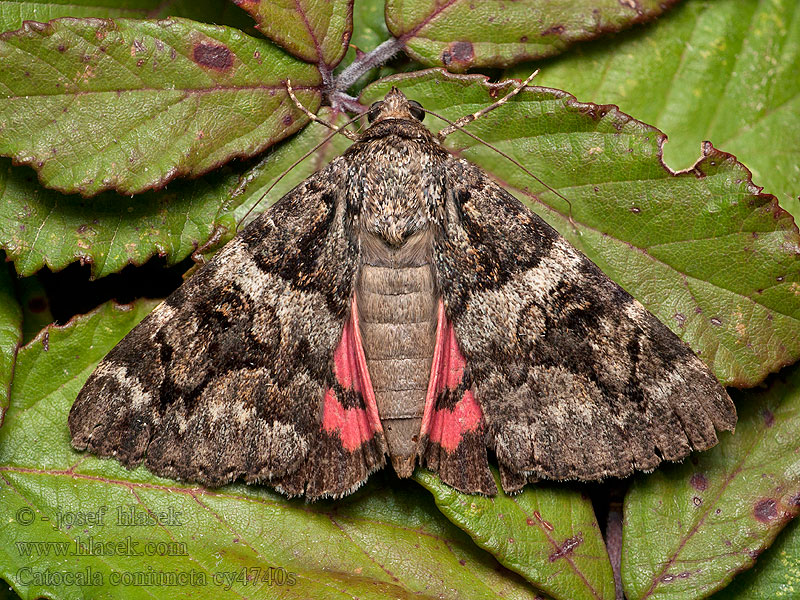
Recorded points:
(395,106)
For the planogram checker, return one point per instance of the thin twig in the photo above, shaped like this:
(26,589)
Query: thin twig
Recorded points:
(373,58)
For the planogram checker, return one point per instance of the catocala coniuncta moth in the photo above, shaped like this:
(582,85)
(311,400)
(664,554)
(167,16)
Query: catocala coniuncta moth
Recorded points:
(398,303)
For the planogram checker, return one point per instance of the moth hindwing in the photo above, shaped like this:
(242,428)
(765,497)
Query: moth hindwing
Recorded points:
(400,303)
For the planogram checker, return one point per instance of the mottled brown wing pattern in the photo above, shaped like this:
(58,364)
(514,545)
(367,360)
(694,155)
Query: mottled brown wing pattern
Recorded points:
(227,377)
(255,368)
(575,378)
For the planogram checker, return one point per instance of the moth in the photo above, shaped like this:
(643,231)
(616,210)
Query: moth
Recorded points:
(398,303)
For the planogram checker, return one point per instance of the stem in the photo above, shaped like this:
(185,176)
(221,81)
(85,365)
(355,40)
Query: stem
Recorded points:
(345,102)
(358,67)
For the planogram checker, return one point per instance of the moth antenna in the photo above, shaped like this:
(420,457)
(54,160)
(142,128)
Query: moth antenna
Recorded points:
(295,163)
(348,134)
(469,118)
(506,156)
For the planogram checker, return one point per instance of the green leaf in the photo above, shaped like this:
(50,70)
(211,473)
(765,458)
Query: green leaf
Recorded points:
(387,541)
(775,575)
(703,250)
(10,335)
(724,71)
(369,25)
(689,528)
(317,31)
(41,228)
(127,105)
(463,34)
(548,534)
(14,12)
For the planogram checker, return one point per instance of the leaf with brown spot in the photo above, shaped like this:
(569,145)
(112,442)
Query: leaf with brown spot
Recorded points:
(126,105)
(776,573)
(464,34)
(690,528)
(212,56)
(547,533)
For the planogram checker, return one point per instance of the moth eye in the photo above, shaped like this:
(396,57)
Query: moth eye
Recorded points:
(374,110)
(416,110)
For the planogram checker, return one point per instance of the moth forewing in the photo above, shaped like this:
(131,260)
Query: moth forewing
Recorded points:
(398,302)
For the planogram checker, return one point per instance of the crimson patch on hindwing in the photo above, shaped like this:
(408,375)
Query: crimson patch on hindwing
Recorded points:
(452,436)
(351,443)
(359,423)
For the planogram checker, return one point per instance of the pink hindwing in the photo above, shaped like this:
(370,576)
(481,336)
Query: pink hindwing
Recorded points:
(355,425)
(448,426)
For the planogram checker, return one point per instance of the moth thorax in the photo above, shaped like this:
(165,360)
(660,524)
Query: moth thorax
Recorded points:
(397,303)
(395,193)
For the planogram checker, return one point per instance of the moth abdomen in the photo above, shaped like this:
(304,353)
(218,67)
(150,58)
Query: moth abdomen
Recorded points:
(396,302)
